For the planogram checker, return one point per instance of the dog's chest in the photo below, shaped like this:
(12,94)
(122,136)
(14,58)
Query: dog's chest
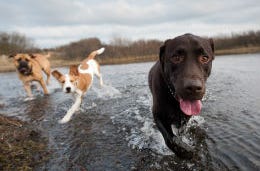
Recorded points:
(27,78)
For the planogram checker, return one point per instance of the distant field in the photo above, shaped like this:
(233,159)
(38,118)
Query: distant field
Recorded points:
(6,64)
(243,50)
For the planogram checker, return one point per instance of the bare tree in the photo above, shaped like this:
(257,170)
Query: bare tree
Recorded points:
(14,42)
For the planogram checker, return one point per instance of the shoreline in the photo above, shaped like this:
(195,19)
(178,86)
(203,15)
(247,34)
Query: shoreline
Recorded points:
(22,146)
(6,64)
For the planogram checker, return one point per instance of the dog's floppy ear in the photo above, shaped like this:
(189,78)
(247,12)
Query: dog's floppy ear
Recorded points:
(162,53)
(56,74)
(212,44)
(74,70)
(11,55)
(32,55)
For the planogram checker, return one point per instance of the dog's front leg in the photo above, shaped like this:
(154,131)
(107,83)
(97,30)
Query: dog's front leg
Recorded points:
(172,141)
(27,87)
(48,73)
(43,86)
(72,110)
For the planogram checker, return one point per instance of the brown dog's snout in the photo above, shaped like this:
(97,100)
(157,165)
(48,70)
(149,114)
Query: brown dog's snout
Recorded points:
(23,64)
(193,86)
(23,68)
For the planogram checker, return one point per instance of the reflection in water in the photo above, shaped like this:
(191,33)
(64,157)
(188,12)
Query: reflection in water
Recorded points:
(114,129)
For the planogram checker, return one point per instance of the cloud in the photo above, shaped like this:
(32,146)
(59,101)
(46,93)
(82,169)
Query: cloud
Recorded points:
(55,22)
(59,12)
(58,35)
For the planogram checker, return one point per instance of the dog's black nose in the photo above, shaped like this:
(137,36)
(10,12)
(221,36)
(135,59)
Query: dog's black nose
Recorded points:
(193,86)
(68,89)
(23,64)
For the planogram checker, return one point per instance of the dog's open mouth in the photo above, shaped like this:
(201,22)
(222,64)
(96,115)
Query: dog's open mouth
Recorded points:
(190,107)
(24,70)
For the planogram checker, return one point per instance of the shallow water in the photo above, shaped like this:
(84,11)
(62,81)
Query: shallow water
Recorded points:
(114,128)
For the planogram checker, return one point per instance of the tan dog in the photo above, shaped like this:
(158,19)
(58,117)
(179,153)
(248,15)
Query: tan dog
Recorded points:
(79,80)
(29,68)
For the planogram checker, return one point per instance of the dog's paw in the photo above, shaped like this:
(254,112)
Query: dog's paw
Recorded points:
(182,149)
(28,99)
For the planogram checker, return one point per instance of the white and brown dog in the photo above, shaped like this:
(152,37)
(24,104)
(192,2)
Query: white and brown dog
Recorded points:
(79,80)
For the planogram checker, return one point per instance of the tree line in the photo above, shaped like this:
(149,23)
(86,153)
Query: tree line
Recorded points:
(238,40)
(15,42)
(118,47)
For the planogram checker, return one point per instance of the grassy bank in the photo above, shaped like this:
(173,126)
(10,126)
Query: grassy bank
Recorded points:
(6,64)
(242,50)
(21,147)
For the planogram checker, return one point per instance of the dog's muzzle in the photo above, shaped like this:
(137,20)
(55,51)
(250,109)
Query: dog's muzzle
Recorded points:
(190,96)
(193,89)
(23,68)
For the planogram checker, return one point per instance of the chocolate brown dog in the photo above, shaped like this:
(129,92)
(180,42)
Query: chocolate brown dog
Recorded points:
(29,68)
(177,83)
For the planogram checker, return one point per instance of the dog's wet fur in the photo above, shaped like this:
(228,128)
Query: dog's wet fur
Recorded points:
(79,80)
(29,68)
(180,73)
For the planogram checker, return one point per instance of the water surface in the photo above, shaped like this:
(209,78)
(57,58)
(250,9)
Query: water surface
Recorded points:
(114,128)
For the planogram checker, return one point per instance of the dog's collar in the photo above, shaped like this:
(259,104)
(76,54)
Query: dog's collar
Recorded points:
(172,92)
(30,72)
(169,86)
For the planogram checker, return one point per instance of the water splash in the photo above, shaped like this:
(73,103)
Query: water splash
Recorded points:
(140,131)
(106,92)
(185,132)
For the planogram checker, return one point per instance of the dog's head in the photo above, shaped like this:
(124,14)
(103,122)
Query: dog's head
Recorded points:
(186,64)
(68,81)
(23,62)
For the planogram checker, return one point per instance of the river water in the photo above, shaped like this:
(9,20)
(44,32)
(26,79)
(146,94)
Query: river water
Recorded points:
(114,128)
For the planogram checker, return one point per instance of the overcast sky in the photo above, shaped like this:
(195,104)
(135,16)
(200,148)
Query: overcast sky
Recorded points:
(55,22)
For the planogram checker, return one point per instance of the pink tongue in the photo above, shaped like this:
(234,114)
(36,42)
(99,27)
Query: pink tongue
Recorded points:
(190,107)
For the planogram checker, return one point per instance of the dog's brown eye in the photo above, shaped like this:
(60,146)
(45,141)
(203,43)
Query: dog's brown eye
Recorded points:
(204,59)
(19,59)
(27,60)
(177,59)
(62,82)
